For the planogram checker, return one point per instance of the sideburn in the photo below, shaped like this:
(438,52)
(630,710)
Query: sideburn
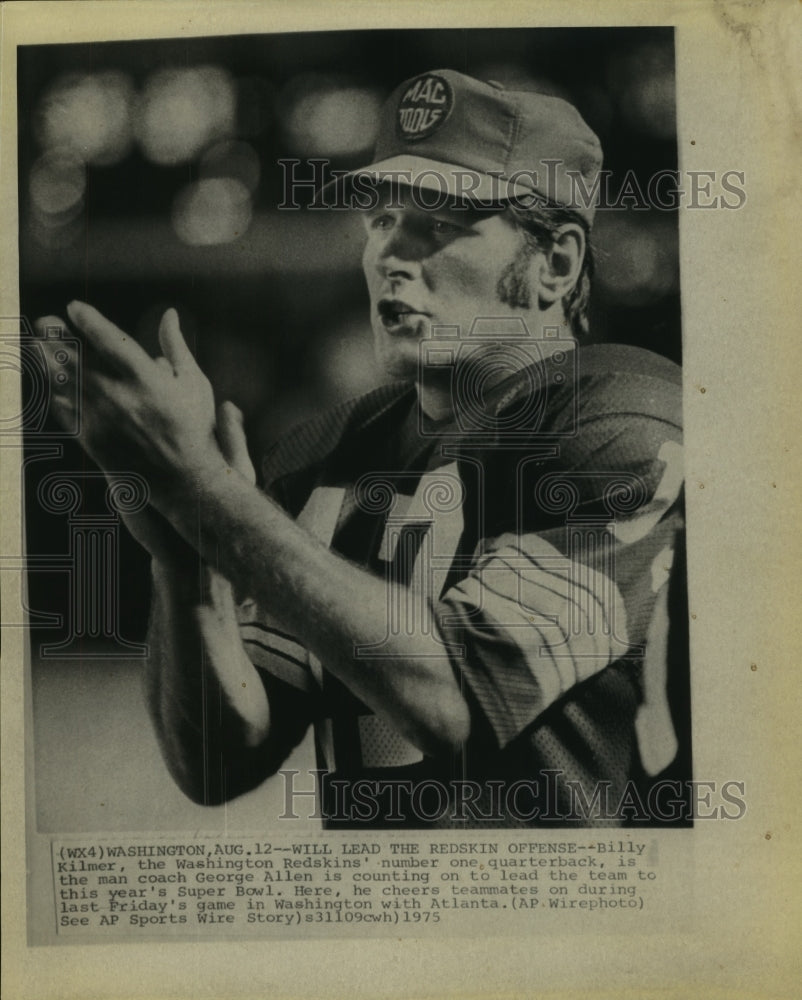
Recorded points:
(514,288)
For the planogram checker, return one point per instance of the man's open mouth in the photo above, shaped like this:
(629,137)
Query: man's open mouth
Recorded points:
(393,312)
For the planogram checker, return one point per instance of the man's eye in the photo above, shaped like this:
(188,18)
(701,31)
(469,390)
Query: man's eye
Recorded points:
(381,222)
(443,228)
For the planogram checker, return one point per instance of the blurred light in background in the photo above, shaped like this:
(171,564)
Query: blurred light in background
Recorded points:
(639,260)
(326,115)
(57,183)
(51,233)
(211,211)
(89,115)
(231,159)
(56,186)
(646,89)
(182,110)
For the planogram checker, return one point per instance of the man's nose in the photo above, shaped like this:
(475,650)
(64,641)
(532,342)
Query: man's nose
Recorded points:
(402,253)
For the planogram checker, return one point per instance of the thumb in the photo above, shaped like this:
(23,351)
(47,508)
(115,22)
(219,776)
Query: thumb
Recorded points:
(172,342)
(231,438)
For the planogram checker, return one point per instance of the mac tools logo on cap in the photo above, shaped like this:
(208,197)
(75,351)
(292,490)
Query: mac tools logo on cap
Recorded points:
(424,106)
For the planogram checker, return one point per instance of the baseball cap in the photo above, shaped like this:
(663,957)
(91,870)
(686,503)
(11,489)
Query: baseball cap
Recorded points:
(446,132)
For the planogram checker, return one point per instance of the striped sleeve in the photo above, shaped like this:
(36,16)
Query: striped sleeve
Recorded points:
(273,650)
(531,624)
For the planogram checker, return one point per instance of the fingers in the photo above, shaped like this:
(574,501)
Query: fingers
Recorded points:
(230,432)
(113,345)
(172,342)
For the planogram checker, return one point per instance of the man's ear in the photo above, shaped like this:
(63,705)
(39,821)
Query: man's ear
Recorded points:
(561,265)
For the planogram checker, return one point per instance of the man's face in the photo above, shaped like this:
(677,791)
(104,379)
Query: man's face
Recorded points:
(426,269)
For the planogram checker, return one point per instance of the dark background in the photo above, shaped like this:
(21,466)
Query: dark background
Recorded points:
(118,143)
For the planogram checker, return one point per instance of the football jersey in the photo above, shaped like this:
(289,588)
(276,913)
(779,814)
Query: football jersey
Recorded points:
(541,524)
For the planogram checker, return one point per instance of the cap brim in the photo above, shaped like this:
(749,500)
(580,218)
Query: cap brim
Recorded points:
(445,179)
